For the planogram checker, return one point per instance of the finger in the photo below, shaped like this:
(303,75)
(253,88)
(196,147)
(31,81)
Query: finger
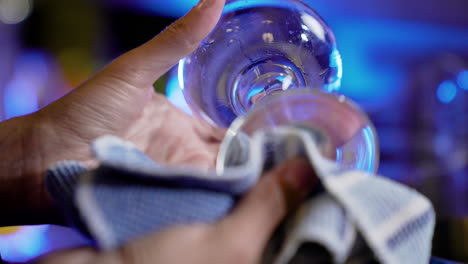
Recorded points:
(81,255)
(261,211)
(145,64)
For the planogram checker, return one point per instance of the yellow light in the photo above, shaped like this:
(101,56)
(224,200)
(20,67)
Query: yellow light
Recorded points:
(9,230)
(76,64)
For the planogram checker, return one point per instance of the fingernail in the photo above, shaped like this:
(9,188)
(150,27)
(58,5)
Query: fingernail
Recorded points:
(300,176)
(203,4)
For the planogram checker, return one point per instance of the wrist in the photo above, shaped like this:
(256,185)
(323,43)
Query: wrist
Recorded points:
(24,198)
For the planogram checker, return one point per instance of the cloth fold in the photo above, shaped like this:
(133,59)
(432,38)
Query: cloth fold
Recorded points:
(129,195)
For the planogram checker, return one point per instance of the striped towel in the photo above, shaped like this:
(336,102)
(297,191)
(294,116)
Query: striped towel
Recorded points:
(356,216)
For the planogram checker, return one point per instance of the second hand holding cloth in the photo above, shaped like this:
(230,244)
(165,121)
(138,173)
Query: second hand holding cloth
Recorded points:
(129,195)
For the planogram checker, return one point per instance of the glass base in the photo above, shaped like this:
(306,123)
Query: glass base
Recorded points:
(343,133)
(261,79)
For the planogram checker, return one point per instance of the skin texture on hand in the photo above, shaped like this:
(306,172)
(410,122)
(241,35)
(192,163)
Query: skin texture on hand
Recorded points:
(120,100)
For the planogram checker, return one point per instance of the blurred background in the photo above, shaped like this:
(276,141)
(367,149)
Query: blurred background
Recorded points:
(405,62)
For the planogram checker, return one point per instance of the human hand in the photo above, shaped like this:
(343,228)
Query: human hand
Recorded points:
(119,100)
(239,238)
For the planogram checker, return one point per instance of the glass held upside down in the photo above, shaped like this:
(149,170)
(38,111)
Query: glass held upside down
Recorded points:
(273,63)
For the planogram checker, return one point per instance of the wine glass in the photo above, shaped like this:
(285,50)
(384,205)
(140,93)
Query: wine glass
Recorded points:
(341,131)
(275,60)
(259,47)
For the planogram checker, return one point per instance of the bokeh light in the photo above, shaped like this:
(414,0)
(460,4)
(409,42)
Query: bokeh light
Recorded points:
(14,11)
(462,79)
(22,243)
(447,91)
(21,94)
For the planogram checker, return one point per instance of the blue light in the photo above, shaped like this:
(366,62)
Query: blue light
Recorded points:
(21,94)
(375,64)
(25,244)
(238,5)
(20,98)
(366,155)
(174,91)
(255,91)
(32,244)
(339,155)
(463,79)
(181,71)
(337,63)
(174,8)
(446,92)
(370,142)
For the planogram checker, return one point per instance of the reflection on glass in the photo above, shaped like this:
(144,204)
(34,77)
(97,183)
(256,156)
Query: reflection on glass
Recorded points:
(341,130)
(258,48)
(272,63)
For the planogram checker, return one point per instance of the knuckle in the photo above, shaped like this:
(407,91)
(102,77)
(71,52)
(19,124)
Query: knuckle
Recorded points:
(180,33)
(125,72)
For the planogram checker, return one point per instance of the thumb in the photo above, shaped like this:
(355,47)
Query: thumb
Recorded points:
(142,66)
(117,95)
(262,210)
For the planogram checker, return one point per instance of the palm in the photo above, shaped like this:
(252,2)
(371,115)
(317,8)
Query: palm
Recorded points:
(149,120)
(171,137)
